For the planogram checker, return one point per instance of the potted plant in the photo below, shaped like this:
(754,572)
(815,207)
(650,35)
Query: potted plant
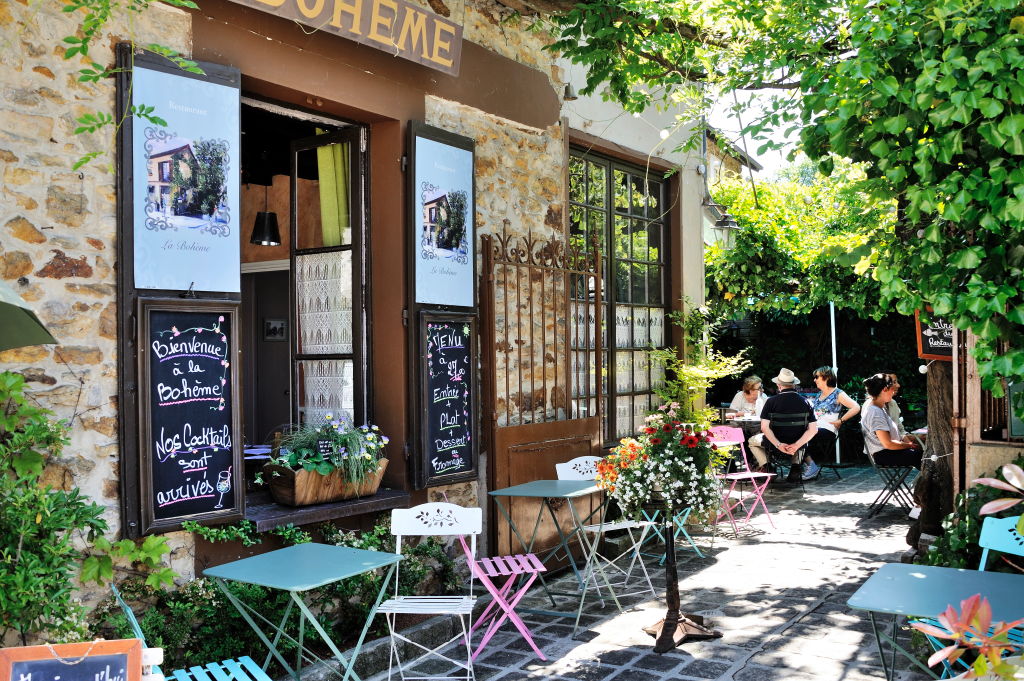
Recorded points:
(326,462)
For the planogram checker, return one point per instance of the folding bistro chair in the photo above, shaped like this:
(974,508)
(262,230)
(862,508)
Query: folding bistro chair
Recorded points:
(997,534)
(426,520)
(585,468)
(518,572)
(758,482)
(778,460)
(895,486)
(680,524)
(241,669)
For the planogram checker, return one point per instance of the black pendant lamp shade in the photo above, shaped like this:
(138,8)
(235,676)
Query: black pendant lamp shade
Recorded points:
(265,231)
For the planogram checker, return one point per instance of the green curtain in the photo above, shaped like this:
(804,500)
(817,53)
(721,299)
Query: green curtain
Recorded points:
(335,218)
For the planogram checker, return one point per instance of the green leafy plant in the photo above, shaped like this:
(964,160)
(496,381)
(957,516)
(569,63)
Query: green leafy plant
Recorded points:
(352,450)
(245,533)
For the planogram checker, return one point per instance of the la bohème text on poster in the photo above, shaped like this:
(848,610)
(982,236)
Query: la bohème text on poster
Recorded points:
(444,241)
(185,184)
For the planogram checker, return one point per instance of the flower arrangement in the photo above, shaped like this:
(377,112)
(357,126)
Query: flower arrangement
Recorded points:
(333,445)
(668,462)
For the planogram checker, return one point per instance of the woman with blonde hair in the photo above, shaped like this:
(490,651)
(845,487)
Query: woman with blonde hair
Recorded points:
(749,399)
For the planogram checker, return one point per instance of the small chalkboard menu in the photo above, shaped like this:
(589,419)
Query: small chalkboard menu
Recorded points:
(448,434)
(188,412)
(934,339)
(119,660)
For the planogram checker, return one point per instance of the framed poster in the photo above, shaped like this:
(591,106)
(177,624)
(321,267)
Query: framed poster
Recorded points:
(185,182)
(189,414)
(442,223)
(119,659)
(934,339)
(448,398)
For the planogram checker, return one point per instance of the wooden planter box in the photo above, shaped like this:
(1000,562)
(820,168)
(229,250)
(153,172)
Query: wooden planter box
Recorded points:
(302,487)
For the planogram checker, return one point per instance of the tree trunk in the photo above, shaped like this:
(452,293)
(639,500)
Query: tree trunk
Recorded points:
(933,491)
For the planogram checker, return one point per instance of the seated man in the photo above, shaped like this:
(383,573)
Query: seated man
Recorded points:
(794,423)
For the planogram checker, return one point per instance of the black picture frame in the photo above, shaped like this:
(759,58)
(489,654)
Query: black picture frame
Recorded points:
(440,277)
(275,330)
(427,473)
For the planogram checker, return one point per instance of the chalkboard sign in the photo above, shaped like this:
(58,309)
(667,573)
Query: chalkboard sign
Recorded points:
(448,388)
(934,339)
(119,660)
(189,413)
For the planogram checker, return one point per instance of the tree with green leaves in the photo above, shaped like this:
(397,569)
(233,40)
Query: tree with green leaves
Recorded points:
(925,93)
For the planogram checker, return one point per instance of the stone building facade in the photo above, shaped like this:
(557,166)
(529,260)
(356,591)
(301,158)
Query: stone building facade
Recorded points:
(59,230)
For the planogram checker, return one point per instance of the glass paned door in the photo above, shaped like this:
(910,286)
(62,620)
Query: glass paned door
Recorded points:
(328,266)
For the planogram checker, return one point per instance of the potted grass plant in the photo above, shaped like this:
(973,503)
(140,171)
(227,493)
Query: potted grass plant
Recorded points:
(330,461)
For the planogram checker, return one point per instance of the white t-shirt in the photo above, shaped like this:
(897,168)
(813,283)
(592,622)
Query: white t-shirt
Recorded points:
(872,419)
(739,403)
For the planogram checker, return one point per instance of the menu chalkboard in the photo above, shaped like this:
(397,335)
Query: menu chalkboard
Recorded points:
(189,413)
(118,660)
(448,388)
(934,339)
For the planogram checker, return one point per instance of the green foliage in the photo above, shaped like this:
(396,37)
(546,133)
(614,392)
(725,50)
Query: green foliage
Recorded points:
(203,189)
(796,249)
(245,533)
(924,92)
(353,450)
(958,546)
(688,377)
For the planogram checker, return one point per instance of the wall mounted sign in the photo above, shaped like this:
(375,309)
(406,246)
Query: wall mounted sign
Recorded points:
(185,186)
(118,660)
(934,339)
(448,411)
(398,27)
(188,411)
(442,230)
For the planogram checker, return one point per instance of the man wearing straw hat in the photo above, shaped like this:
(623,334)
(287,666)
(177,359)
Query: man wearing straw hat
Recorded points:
(793,419)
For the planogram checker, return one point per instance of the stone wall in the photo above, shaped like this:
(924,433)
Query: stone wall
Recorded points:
(57,231)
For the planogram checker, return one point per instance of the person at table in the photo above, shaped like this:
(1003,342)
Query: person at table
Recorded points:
(828,412)
(788,439)
(891,408)
(748,400)
(881,434)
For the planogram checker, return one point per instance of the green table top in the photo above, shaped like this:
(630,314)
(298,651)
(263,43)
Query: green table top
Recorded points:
(549,489)
(303,566)
(926,591)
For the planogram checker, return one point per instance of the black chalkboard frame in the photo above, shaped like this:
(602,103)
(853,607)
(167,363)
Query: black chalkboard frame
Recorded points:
(146,307)
(921,344)
(131,648)
(424,477)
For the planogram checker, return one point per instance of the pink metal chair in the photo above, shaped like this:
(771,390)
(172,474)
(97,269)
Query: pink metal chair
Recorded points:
(758,482)
(504,598)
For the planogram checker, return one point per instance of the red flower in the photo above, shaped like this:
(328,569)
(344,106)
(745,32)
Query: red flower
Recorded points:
(667,428)
(649,430)
(655,440)
(691,445)
(715,447)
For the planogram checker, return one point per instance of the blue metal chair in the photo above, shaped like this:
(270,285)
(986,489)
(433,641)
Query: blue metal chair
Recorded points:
(997,534)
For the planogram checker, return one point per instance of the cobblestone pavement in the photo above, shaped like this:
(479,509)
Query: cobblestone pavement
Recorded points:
(777,595)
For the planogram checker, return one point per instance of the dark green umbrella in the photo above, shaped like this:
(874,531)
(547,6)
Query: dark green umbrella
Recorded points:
(19,325)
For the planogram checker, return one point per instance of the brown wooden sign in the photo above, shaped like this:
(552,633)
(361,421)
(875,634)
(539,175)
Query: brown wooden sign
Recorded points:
(395,26)
(934,339)
(119,660)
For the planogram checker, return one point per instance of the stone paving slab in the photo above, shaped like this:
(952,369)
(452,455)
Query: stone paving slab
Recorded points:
(778,595)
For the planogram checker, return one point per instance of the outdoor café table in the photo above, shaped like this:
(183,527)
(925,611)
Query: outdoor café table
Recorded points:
(546,491)
(297,569)
(900,589)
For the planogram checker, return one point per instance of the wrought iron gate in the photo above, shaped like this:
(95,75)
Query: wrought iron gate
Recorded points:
(542,356)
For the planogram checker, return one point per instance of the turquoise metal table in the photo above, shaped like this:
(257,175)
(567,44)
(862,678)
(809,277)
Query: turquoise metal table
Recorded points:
(297,569)
(900,589)
(546,491)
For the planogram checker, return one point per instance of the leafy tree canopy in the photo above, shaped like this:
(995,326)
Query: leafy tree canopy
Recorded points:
(784,254)
(924,92)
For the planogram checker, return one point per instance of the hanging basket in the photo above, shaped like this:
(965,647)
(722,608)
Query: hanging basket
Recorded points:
(303,488)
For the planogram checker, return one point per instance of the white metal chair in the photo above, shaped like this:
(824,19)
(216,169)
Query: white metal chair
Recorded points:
(585,468)
(425,520)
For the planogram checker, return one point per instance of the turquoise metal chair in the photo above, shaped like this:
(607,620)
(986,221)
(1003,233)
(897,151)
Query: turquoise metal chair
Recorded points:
(241,669)
(997,534)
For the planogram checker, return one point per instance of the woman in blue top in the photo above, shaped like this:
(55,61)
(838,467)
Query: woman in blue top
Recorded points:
(828,411)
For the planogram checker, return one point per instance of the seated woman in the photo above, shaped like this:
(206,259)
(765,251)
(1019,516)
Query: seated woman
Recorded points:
(748,400)
(828,408)
(881,434)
